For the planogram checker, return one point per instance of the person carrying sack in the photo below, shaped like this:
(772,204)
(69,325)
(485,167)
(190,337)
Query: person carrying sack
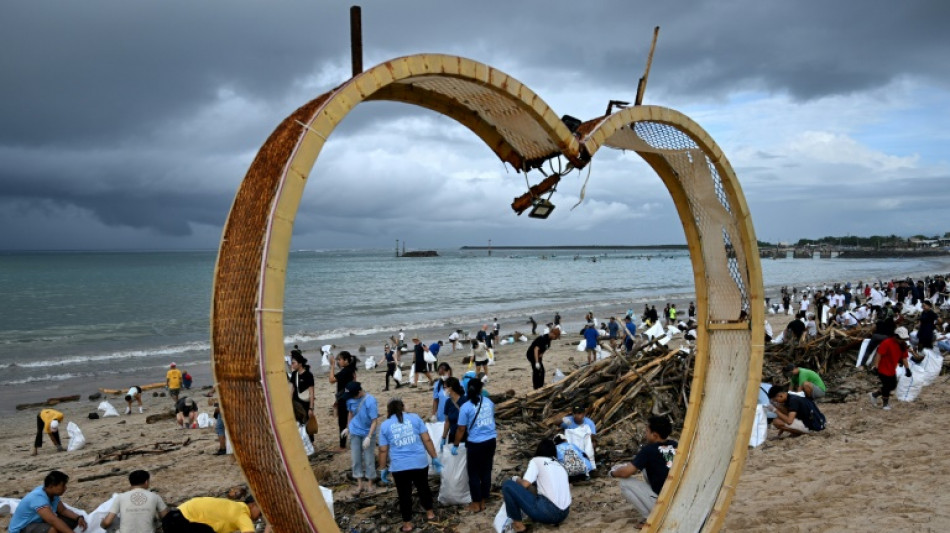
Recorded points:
(302,392)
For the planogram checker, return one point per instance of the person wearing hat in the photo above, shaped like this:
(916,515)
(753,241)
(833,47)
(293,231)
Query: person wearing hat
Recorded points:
(186,413)
(48,421)
(805,380)
(577,419)
(173,381)
(891,353)
(302,390)
(217,515)
(363,417)
(420,362)
(630,333)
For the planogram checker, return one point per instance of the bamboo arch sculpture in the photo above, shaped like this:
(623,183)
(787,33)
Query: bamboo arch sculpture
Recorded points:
(248,299)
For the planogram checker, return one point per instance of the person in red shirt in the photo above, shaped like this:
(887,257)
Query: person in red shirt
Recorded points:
(892,352)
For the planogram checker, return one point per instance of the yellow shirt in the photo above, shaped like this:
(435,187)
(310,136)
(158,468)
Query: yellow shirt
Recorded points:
(174,378)
(47,416)
(224,516)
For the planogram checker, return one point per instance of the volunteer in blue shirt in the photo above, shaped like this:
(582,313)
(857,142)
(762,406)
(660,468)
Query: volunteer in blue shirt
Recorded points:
(439,393)
(477,417)
(456,400)
(590,339)
(631,333)
(364,414)
(403,444)
(42,510)
(577,419)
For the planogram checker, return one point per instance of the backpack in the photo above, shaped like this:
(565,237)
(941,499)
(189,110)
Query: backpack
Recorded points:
(573,463)
(815,420)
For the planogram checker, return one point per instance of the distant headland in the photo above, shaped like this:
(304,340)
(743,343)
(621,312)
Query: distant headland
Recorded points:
(586,247)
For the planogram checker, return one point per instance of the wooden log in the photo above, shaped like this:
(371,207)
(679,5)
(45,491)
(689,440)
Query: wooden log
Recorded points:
(150,386)
(48,403)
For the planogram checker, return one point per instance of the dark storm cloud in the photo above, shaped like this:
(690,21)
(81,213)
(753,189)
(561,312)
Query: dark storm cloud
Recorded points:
(147,114)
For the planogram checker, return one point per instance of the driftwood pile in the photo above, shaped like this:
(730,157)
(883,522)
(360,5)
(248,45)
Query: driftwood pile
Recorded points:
(832,349)
(616,391)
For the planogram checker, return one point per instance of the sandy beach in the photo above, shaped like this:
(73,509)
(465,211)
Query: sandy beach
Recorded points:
(869,470)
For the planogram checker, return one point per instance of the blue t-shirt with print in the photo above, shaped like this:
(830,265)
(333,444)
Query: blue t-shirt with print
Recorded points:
(26,511)
(362,419)
(483,428)
(439,392)
(569,423)
(406,450)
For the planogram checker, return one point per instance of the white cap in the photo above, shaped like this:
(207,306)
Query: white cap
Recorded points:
(901,333)
(54,425)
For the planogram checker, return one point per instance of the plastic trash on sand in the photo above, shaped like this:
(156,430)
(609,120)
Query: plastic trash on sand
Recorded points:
(502,523)
(108,409)
(76,439)
(558,375)
(328,497)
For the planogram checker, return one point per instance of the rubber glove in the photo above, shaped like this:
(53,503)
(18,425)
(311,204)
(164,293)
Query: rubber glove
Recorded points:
(443,443)
(907,372)
(455,449)
(537,366)
(344,433)
(367,442)
(384,476)
(437,464)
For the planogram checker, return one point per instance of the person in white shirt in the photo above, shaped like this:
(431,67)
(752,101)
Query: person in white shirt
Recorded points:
(811,326)
(552,503)
(876,299)
(805,304)
(137,508)
(845,319)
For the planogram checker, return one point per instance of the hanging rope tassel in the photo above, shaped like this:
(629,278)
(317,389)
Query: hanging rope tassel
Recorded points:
(584,188)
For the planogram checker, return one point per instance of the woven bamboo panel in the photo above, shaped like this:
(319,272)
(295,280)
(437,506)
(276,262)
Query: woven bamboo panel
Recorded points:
(247,307)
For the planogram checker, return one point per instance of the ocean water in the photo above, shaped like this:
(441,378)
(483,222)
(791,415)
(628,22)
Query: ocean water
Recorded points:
(71,318)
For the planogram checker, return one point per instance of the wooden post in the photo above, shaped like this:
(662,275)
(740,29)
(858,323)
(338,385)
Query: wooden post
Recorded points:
(356,39)
(642,85)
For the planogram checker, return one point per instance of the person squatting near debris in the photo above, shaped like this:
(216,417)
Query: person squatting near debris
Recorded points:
(405,446)
(137,508)
(577,419)
(796,415)
(476,426)
(48,421)
(134,394)
(173,381)
(213,515)
(535,355)
(342,377)
(805,380)
(550,503)
(42,510)
(186,413)
(654,459)
(892,353)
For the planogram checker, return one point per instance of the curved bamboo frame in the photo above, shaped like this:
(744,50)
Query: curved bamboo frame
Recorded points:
(247,306)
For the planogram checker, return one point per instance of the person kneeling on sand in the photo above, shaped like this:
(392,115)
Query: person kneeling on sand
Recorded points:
(134,394)
(137,508)
(654,460)
(794,414)
(48,421)
(186,413)
(805,380)
(551,502)
(213,515)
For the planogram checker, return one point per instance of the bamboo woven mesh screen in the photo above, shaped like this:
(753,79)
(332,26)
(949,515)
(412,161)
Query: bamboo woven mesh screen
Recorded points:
(247,307)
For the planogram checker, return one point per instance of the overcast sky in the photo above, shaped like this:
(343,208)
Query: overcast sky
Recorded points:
(129,125)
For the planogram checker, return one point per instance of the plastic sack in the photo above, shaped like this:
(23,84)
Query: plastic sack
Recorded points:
(94,519)
(397,374)
(523,338)
(307,445)
(581,346)
(435,433)
(325,361)
(428,357)
(924,373)
(76,438)
(864,348)
(8,506)
(228,447)
(204,420)
(558,375)
(655,331)
(760,428)
(502,523)
(454,489)
(328,497)
(108,409)
(370,363)
(580,437)
(601,353)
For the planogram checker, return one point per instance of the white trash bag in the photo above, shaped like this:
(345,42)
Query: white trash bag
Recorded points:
(370,363)
(502,523)
(580,437)
(307,445)
(76,438)
(108,409)
(923,374)
(397,374)
(94,519)
(558,375)
(8,506)
(454,489)
(581,346)
(435,433)
(205,420)
(760,428)
(328,497)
